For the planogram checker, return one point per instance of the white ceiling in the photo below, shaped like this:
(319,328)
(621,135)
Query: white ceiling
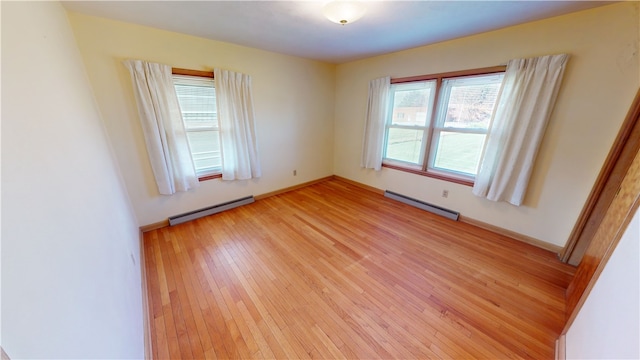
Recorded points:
(299,28)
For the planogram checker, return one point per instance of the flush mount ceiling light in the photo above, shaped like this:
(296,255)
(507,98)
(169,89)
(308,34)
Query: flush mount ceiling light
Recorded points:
(343,11)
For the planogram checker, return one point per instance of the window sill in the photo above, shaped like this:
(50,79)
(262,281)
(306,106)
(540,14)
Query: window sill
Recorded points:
(438,176)
(209,177)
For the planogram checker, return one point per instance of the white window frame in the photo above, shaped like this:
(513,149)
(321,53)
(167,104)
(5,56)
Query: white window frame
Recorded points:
(389,125)
(197,78)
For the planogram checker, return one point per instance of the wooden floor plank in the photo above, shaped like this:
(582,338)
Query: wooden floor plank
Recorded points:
(335,271)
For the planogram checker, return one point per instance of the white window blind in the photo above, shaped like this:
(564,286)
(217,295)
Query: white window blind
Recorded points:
(197,98)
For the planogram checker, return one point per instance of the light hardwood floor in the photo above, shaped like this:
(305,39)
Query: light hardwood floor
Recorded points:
(336,271)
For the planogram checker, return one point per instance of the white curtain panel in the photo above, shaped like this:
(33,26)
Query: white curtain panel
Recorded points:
(237,126)
(163,128)
(374,124)
(523,107)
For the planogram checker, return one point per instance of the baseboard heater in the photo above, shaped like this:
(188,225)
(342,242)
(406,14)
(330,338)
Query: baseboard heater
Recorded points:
(449,214)
(192,215)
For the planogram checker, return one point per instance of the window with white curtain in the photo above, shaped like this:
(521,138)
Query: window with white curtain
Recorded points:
(197,99)
(408,124)
(437,125)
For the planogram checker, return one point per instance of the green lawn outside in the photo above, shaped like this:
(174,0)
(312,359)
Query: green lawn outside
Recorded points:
(456,151)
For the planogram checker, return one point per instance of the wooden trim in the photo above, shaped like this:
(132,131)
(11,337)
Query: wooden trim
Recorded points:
(561,348)
(165,223)
(613,225)
(3,355)
(189,72)
(154,226)
(512,234)
(495,229)
(625,146)
(430,174)
(146,320)
(209,177)
(480,71)
(291,188)
(498,230)
(360,185)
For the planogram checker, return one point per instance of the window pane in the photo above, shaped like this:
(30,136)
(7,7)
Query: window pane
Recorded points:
(465,107)
(412,103)
(459,152)
(469,101)
(405,145)
(197,99)
(205,150)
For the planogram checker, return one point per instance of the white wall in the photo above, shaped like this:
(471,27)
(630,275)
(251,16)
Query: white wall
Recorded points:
(600,82)
(0,195)
(71,285)
(293,98)
(608,324)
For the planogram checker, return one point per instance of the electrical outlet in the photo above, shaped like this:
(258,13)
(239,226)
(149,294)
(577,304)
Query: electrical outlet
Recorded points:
(445,193)
(295,172)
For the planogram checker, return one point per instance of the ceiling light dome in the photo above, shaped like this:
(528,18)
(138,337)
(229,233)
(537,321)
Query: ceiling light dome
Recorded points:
(344,11)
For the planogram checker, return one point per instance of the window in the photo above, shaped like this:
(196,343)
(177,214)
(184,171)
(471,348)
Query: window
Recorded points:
(438,125)
(197,98)
(409,122)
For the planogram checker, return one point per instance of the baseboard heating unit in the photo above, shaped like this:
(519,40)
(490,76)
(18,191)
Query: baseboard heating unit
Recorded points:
(192,215)
(449,214)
